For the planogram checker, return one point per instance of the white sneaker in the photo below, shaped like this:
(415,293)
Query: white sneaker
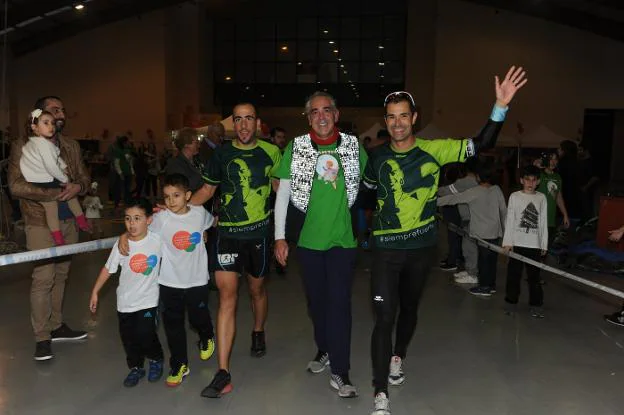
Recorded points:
(382,404)
(467,279)
(396,376)
(460,274)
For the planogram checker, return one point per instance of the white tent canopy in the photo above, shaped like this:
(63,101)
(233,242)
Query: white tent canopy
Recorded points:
(431,131)
(228,124)
(541,137)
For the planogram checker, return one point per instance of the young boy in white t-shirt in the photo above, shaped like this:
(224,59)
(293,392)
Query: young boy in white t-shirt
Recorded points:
(137,294)
(183,275)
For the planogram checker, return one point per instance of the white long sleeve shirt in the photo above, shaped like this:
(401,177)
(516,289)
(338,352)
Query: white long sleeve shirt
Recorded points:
(41,161)
(527,221)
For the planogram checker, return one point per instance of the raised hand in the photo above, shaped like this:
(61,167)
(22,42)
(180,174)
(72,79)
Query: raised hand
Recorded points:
(505,91)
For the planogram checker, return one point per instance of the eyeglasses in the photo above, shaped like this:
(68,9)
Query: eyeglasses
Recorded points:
(398,96)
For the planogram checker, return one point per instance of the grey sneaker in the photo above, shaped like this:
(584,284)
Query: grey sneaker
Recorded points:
(382,404)
(537,312)
(343,385)
(319,363)
(396,376)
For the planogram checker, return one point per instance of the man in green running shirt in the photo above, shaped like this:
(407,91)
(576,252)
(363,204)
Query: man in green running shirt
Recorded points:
(405,173)
(242,169)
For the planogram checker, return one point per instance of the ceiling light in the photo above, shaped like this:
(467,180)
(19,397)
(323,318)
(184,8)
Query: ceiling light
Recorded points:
(331,42)
(79,6)
(299,63)
(381,47)
(284,48)
(342,65)
(326,31)
(228,78)
(335,50)
(339,59)
(381,64)
(345,72)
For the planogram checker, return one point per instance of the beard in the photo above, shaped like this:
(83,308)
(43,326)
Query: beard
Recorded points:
(59,125)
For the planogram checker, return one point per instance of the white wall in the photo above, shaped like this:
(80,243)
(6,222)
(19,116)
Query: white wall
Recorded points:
(568,69)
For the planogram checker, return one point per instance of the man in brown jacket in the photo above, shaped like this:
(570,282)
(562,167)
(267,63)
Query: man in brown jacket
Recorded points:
(49,276)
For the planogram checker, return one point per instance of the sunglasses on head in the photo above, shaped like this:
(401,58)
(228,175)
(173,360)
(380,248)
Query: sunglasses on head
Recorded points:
(399,95)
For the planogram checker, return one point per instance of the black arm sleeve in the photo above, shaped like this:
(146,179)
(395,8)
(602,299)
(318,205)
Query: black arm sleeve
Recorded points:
(487,137)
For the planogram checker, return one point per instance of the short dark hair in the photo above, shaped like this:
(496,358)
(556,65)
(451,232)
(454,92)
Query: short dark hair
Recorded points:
(530,170)
(141,203)
(251,104)
(486,172)
(40,103)
(471,164)
(276,130)
(177,180)
(185,137)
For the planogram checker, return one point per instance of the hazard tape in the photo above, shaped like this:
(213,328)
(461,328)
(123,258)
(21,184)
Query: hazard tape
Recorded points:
(57,251)
(539,265)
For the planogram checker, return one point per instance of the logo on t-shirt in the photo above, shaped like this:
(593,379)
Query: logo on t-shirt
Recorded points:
(327,168)
(185,241)
(143,264)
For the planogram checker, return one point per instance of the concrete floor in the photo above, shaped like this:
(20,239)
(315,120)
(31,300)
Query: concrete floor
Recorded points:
(467,357)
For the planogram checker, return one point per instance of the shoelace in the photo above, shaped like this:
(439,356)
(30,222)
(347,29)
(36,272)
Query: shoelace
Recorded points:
(396,368)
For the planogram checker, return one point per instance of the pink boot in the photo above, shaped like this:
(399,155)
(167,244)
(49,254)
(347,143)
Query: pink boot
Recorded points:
(57,236)
(83,224)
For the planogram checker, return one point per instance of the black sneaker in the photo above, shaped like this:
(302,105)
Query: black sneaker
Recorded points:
(43,351)
(64,334)
(343,385)
(220,385)
(615,318)
(258,344)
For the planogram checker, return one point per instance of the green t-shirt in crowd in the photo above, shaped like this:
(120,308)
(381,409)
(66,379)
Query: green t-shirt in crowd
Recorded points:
(550,185)
(328,219)
(407,185)
(244,177)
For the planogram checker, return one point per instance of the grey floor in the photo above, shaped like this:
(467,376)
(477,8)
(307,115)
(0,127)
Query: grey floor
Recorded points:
(467,357)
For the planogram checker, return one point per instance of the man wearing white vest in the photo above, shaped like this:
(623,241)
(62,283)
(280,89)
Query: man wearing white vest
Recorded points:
(319,178)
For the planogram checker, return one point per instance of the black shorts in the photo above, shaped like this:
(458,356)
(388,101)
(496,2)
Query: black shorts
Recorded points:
(249,256)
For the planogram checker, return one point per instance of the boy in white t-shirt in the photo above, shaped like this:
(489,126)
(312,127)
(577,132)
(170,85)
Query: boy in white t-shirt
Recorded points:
(137,294)
(526,233)
(183,275)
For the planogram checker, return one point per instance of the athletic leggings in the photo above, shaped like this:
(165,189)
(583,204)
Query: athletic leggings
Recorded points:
(398,280)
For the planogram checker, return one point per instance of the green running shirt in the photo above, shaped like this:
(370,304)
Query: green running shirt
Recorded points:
(407,184)
(244,178)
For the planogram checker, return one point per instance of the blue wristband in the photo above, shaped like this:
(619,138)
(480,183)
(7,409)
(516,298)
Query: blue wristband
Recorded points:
(498,113)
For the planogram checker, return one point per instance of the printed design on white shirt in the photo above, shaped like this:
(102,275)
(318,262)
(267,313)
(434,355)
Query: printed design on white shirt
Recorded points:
(143,264)
(227,259)
(186,241)
(530,218)
(327,168)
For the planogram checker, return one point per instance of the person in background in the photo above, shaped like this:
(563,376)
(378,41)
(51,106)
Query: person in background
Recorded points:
(213,139)
(153,169)
(550,184)
(487,210)
(616,318)
(468,245)
(571,180)
(124,172)
(278,137)
(93,206)
(526,233)
(49,277)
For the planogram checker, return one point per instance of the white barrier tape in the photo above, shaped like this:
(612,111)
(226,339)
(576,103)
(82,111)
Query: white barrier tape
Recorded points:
(540,265)
(57,251)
